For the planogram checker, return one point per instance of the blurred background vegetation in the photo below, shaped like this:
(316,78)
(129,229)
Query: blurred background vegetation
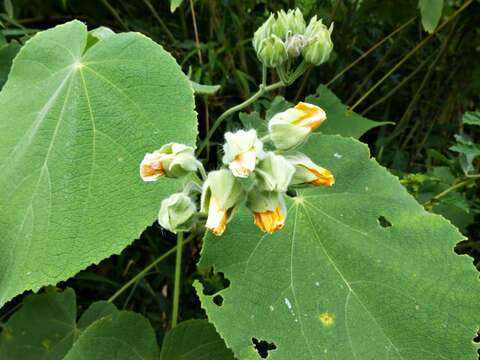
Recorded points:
(384,66)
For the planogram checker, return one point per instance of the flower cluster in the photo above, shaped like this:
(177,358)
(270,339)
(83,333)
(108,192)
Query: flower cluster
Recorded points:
(287,35)
(213,200)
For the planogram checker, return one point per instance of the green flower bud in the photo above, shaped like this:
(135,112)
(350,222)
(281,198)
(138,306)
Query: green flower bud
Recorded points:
(171,160)
(272,51)
(263,32)
(294,45)
(269,210)
(274,173)
(309,173)
(220,194)
(289,23)
(242,149)
(290,128)
(177,213)
(319,43)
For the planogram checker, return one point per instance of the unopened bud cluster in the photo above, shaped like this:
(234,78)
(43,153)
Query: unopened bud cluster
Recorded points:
(273,173)
(287,35)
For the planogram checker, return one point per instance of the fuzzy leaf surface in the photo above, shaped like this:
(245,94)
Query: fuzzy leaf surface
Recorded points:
(360,271)
(194,340)
(75,125)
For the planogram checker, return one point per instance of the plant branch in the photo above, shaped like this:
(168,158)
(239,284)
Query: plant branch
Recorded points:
(178,273)
(145,271)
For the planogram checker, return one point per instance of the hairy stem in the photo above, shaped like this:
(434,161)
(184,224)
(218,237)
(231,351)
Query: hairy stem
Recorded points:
(178,272)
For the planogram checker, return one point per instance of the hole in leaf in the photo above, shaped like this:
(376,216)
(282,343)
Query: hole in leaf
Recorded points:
(213,282)
(218,300)
(384,222)
(263,347)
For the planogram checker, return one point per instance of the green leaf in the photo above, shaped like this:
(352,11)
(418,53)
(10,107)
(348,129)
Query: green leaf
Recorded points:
(340,120)
(471,118)
(204,89)
(7,5)
(45,328)
(7,54)
(431,11)
(75,125)
(174,4)
(360,271)
(194,340)
(122,335)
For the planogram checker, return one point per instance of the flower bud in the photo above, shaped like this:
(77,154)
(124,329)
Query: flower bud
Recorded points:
(291,128)
(294,45)
(289,23)
(269,210)
(171,160)
(307,172)
(272,52)
(177,213)
(274,173)
(263,32)
(242,149)
(220,194)
(319,44)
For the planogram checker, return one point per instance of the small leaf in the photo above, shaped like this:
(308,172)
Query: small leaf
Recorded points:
(471,118)
(174,4)
(431,11)
(45,327)
(194,340)
(360,271)
(7,5)
(340,120)
(204,89)
(75,124)
(123,335)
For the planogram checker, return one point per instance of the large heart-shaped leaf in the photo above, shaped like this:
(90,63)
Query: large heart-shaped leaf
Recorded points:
(360,271)
(75,123)
(45,328)
(194,340)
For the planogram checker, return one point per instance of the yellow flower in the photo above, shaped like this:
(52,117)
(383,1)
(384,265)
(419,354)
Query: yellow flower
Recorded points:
(270,220)
(290,128)
(151,168)
(309,173)
(221,193)
(323,177)
(217,217)
(313,116)
(242,150)
(269,210)
(171,160)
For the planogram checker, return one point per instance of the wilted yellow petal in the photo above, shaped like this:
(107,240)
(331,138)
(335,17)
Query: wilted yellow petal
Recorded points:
(217,218)
(313,116)
(270,221)
(323,177)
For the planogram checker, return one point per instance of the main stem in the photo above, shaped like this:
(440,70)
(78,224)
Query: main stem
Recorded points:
(176,288)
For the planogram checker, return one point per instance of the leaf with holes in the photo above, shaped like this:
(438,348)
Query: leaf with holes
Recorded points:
(46,328)
(75,124)
(194,340)
(360,271)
